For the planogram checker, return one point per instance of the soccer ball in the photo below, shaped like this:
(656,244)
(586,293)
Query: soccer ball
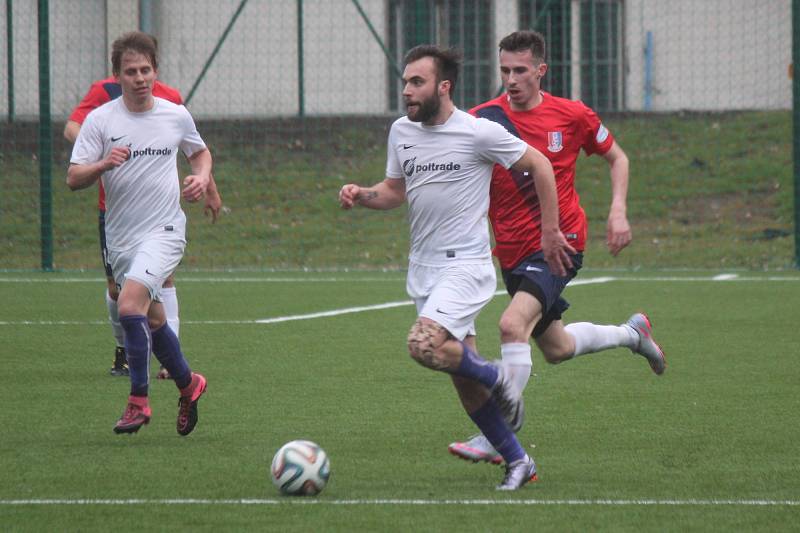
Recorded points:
(300,468)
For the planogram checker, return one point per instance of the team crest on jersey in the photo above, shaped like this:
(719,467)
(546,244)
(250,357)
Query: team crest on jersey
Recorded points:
(555,141)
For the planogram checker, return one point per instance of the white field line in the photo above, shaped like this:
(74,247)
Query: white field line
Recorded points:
(361,309)
(289,318)
(399,502)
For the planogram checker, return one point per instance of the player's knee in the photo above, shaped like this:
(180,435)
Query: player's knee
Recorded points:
(512,328)
(556,354)
(155,323)
(423,343)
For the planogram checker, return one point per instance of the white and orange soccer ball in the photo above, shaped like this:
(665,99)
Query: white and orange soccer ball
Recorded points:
(300,468)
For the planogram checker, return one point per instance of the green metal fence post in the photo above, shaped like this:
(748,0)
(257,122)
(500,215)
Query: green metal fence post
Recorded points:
(301,103)
(10,56)
(45,139)
(146,16)
(796,125)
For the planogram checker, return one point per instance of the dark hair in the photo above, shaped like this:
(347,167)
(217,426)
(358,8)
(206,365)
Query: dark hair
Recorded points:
(136,41)
(525,40)
(447,61)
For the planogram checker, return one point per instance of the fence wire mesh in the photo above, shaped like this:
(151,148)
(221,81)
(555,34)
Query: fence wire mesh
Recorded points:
(295,97)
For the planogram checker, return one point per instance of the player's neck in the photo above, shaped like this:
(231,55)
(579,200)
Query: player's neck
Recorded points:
(138,105)
(445,111)
(533,102)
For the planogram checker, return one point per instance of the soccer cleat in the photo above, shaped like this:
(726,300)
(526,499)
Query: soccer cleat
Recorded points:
(477,448)
(647,347)
(163,373)
(518,474)
(120,367)
(510,404)
(187,404)
(137,413)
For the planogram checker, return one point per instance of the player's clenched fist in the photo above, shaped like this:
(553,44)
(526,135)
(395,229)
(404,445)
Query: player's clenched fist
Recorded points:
(117,156)
(348,195)
(194,187)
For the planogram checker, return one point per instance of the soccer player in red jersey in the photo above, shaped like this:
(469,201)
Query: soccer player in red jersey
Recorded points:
(559,128)
(101,92)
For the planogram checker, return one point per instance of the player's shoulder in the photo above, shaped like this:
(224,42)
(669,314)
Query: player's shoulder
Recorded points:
(403,126)
(480,109)
(574,108)
(101,112)
(168,106)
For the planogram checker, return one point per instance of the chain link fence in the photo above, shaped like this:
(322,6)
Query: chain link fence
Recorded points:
(295,97)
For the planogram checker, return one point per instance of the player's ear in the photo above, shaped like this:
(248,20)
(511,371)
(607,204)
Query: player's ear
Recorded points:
(541,70)
(444,87)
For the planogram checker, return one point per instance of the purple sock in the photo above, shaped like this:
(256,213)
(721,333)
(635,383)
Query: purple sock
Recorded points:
(475,367)
(167,349)
(495,428)
(137,347)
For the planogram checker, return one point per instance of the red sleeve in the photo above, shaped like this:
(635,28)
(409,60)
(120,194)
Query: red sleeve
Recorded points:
(596,137)
(93,99)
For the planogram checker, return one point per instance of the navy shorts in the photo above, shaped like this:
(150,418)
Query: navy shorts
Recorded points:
(101,225)
(533,276)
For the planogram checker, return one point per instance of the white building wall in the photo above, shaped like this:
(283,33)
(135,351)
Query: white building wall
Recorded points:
(710,54)
(345,67)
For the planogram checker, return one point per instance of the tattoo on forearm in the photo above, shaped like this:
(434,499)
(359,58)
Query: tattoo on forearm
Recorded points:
(367,196)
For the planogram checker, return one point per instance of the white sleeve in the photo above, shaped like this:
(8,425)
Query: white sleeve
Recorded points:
(393,168)
(89,146)
(494,143)
(192,142)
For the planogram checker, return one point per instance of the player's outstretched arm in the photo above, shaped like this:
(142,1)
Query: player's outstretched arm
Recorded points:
(388,194)
(555,247)
(80,176)
(618,230)
(196,183)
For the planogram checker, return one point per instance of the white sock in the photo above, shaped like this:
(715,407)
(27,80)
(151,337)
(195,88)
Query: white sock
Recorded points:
(113,318)
(591,338)
(517,355)
(169,298)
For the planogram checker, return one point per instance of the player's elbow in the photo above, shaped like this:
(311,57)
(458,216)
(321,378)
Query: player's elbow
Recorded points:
(72,179)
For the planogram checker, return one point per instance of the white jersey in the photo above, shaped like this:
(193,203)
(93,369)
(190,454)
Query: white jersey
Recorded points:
(142,194)
(448,170)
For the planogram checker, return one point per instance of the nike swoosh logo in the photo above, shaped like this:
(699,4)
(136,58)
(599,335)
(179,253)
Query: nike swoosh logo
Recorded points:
(441,312)
(115,139)
(532,269)
(148,272)
(407,146)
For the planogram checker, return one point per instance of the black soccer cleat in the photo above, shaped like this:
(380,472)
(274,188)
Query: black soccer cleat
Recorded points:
(120,367)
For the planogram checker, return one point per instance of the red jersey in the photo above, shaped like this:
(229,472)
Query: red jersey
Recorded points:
(558,128)
(104,91)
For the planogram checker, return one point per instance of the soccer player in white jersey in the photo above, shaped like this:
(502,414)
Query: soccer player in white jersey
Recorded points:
(131,143)
(440,159)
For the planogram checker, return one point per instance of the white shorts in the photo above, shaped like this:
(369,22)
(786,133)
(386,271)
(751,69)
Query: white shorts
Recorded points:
(150,263)
(452,295)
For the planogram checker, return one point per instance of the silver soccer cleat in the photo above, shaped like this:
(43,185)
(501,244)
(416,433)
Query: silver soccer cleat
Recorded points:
(518,474)
(647,347)
(476,448)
